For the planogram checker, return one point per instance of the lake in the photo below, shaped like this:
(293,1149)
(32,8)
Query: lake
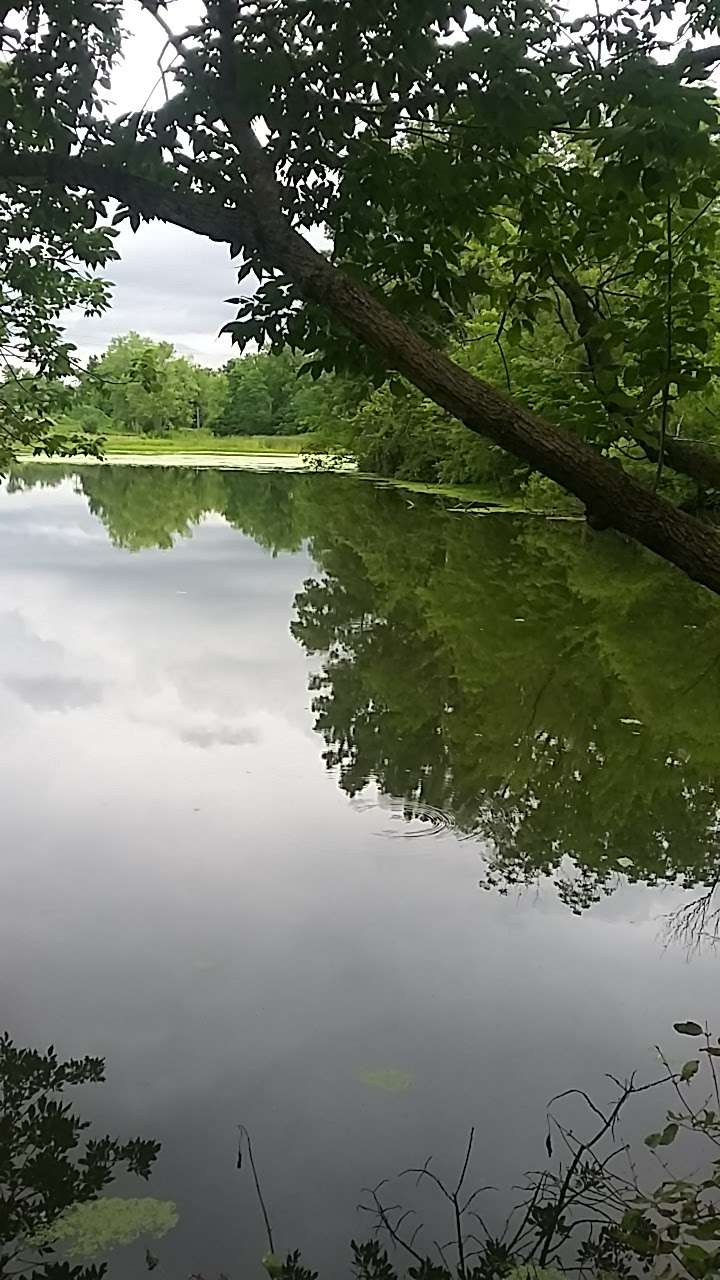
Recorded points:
(337,812)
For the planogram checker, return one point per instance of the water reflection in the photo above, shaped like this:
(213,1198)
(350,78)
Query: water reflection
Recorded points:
(187,891)
(494,676)
(562,706)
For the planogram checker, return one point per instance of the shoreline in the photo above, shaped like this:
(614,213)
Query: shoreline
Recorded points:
(255,461)
(473,499)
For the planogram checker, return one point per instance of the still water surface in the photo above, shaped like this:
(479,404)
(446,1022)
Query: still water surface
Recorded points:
(304,780)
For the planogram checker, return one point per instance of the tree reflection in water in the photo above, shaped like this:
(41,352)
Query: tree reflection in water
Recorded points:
(552,694)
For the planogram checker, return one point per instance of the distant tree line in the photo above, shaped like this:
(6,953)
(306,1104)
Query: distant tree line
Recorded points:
(142,386)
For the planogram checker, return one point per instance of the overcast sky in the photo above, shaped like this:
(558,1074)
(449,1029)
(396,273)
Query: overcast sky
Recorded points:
(169,283)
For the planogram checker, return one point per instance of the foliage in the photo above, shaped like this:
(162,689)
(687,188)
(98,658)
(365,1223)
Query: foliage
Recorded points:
(527,704)
(90,418)
(141,386)
(568,199)
(396,432)
(589,1207)
(535,193)
(50,248)
(248,408)
(269,393)
(46,1165)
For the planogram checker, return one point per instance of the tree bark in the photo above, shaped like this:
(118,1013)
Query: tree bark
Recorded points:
(611,497)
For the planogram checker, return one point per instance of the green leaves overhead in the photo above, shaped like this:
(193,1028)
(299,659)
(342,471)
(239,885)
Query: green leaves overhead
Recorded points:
(54,68)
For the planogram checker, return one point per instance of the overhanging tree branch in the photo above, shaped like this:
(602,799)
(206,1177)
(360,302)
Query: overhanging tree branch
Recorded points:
(110,177)
(690,61)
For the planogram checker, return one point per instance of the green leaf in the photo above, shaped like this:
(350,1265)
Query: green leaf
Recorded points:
(646,260)
(690,1069)
(663,1139)
(707,1230)
(688,1028)
(606,380)
(697,1260)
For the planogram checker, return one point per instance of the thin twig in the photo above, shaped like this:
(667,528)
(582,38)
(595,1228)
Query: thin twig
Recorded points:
(608,1126)
(711,1058)
(464,1170)
(443,1259)
(665,407)
(698,215)
(506,367)
(244,1134)
(382,1214)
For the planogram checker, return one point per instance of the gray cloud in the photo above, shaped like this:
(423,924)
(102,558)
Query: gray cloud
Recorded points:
(221,736)
(169,284)
(36,669)
(54,693)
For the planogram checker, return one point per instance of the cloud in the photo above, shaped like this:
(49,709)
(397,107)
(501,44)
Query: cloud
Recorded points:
(169,284)
(33,669)
(54,693)
(223,735)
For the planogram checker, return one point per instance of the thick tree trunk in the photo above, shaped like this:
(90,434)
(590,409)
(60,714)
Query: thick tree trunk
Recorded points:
(692,460)
(612,498)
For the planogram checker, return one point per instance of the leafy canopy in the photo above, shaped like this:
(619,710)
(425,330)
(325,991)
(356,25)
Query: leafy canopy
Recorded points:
(408,131)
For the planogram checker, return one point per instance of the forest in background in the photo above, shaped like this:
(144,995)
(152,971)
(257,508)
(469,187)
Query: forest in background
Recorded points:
(144,387)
